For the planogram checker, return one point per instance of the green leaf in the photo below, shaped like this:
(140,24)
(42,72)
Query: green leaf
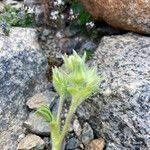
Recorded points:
(45,113)
(77,7)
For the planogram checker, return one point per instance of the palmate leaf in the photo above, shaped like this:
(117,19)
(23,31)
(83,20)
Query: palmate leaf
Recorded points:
(45,113)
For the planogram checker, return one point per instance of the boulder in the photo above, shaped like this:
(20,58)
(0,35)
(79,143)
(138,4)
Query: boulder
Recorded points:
(22,74)
(120,113)
(124,14)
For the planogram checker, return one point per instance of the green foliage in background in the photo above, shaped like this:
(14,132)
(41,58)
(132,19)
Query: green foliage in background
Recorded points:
(15,17)
(81,19)
(83,16)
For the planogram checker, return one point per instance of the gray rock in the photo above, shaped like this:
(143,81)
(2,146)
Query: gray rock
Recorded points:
(39,15)
(112,146)
(77,127)
(22,74)
(89,46)
(121,115)
(37,125)
(36,7)
(48,143)
(72,144)
(70,33)
(67,45)
(85,112)
(46,32)
(1,7)
(31,3)
(14,3)
(39,99)
(31,142)
(87,134)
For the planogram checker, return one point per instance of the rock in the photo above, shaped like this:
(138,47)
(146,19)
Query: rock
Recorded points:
(49,44)
(89,46)
(77,128)
(84,112)
(10,138)
(112,146)
(1,7)
(72,144)
(122,115)
(21,136)
(67,45)
(14,3)
(97,144)
(124,14)
(40,9)
(39,99)
(31,142)
(70,33)
(37,125)
(48,143)
(87,133)
(46,32)
(32,3)
(22,74)
(34,6)
(39,15)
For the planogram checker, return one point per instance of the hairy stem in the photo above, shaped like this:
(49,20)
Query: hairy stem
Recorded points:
(55,136)
(68,119)
(59,110)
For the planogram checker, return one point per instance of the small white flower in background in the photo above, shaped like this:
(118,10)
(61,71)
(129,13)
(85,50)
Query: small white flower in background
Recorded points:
(31,10)
(71,12)
(54,15)
(72,15)
(58,2)
(62,16)
(90,24)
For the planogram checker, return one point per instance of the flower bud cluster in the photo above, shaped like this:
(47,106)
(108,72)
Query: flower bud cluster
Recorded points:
(77,79)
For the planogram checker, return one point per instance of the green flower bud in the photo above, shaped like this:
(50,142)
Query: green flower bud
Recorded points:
(77,80)
(60,81)
(74,61)
(89,84)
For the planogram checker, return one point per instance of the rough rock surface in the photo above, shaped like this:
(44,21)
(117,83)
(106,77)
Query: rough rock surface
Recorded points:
(125,14)
(87,133)
(97,144)
(121,113)
(37,125)
(77,128)
(31,142)
(1,6)
(22,73)
(39,99)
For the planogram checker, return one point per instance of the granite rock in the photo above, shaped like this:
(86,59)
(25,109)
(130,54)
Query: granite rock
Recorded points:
(37,125)
(14,3)
(120,113)
(96,144)
(22,74)
(77,127)
(39,99)
(31,142)
(1,6)
(72,144)
(87,134)
(123,14)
